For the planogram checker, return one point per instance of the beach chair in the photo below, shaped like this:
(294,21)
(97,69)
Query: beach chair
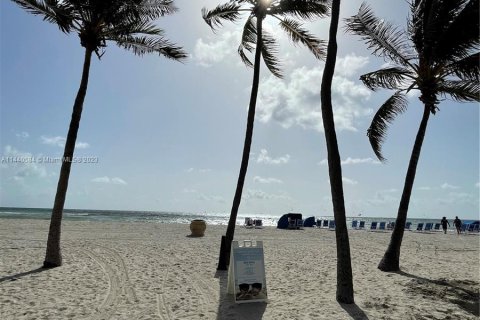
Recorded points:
(319,223)
(373,226)
(470,227)
(420,226)
(331,225)
(325,223)
(408,225)
(476,227)
(258,223)
(299,223)
(292,224)
(437,227)
(464,227)
(361,225)
(248,223)
(381,226)
(428,226)
(354,224)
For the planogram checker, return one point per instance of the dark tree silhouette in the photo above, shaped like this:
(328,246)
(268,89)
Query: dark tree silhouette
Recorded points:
(438,55)
(128,23)
(255,38)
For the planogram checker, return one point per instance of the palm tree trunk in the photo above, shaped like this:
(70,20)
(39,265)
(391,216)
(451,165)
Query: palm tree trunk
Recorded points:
(391,259)
(226,243)
(344,266)
(53,256)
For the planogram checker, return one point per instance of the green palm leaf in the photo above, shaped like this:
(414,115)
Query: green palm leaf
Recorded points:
(299,35)
(462,91)
(303,9)
(229,11)
(382,37)
(388,78)
(141,45)
(51,10)
(467,68)
(377,131)
(269,51)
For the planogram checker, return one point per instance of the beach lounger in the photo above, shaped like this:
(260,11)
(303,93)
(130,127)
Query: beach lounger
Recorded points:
(373,225)
(325,223)
(408,225)
(361,225)
(354,224)
(420,226)
(381,226)
(292,223)
(258,223)
(248,223)
(331,225)
(319,223)
(464,227)
(299,223)
(437,227)
(428,226)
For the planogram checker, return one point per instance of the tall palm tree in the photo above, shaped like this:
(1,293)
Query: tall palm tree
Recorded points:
(254,37)
(440,58)
(344,265)
(129,23)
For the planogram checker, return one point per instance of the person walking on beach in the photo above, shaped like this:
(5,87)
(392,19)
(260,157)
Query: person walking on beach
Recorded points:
(444,223)
(458,224)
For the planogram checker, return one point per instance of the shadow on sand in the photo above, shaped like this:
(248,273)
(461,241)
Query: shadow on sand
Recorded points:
(228,309)
(354,311)
(21,275)
(461,293)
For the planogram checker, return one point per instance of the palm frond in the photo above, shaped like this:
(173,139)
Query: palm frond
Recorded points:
(269,51)
(141,45)
(141,26)
(215,17)
(377,131)
(388,78)
(53,11)
(466,69)
(303,9)
(249,39)
(299,35)
(460,90)
(382,37)
(462,35)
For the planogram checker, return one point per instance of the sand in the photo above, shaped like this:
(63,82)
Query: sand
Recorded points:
(155,271)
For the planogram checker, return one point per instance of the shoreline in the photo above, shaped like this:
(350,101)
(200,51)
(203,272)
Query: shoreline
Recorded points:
(125,270)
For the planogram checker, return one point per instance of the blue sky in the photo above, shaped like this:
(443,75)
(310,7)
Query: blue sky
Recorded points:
(169,136)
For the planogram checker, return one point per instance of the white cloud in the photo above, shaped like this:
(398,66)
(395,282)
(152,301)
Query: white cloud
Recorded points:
(213,198)
(213,52)
(22,135)
(383,197)
(60,142)
(24,164)
(448,186)
(107,180)
(263,157)
(266,180)
(349,181)
(424,188)
(190,170)
(186,190)
(359,161)
(262,195)
(297,101)
(455,198)
(477,184)
(352,161)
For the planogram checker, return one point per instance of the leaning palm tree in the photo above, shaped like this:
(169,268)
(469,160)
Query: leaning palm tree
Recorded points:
(344,265)
(440,58)
(129,23)
(255,38)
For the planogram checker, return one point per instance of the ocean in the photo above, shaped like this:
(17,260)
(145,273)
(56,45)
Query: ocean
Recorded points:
(211,218)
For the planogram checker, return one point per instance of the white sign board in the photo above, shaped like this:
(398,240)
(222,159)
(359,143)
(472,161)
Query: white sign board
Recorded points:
(246,272)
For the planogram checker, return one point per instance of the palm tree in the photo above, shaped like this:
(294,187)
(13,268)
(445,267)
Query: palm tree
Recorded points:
(254,37)
(344,265)
(439,58)
(126,22)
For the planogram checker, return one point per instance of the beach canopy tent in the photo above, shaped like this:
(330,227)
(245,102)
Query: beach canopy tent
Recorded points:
(309,222)
(283,221)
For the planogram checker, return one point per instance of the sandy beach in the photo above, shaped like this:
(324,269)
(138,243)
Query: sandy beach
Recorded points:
(156,271)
